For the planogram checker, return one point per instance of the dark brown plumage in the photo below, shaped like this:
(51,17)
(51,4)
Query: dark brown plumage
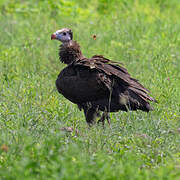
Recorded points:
(97,84)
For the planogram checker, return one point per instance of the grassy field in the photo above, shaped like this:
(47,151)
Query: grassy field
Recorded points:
(142,34)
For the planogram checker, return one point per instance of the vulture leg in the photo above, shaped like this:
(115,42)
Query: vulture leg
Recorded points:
(108,119)
(104,116)
(102,119)
(90,113)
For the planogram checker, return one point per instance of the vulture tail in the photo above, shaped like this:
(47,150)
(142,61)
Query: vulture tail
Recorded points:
(139,100)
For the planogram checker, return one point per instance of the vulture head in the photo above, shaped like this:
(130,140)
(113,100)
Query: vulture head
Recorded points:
(64,35)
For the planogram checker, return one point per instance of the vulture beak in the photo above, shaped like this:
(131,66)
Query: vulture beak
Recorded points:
(53,36)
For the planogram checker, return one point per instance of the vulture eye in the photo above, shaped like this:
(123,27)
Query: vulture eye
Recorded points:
(64,33)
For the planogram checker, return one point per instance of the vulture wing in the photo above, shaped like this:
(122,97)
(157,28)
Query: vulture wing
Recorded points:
(80,84)
(116,79)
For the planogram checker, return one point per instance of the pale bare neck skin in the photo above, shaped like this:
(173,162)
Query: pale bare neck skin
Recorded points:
(67,43)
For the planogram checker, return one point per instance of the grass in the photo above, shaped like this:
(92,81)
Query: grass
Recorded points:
(144,35)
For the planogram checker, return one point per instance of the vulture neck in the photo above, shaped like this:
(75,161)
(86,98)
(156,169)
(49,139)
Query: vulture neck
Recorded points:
(70,52)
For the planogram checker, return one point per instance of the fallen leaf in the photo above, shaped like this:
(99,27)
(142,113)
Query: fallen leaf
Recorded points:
(4,148)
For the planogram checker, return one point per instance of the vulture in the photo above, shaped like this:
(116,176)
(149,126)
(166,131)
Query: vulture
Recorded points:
(97,84)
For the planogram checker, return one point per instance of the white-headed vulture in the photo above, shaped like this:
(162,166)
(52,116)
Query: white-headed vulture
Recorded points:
(97,84)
